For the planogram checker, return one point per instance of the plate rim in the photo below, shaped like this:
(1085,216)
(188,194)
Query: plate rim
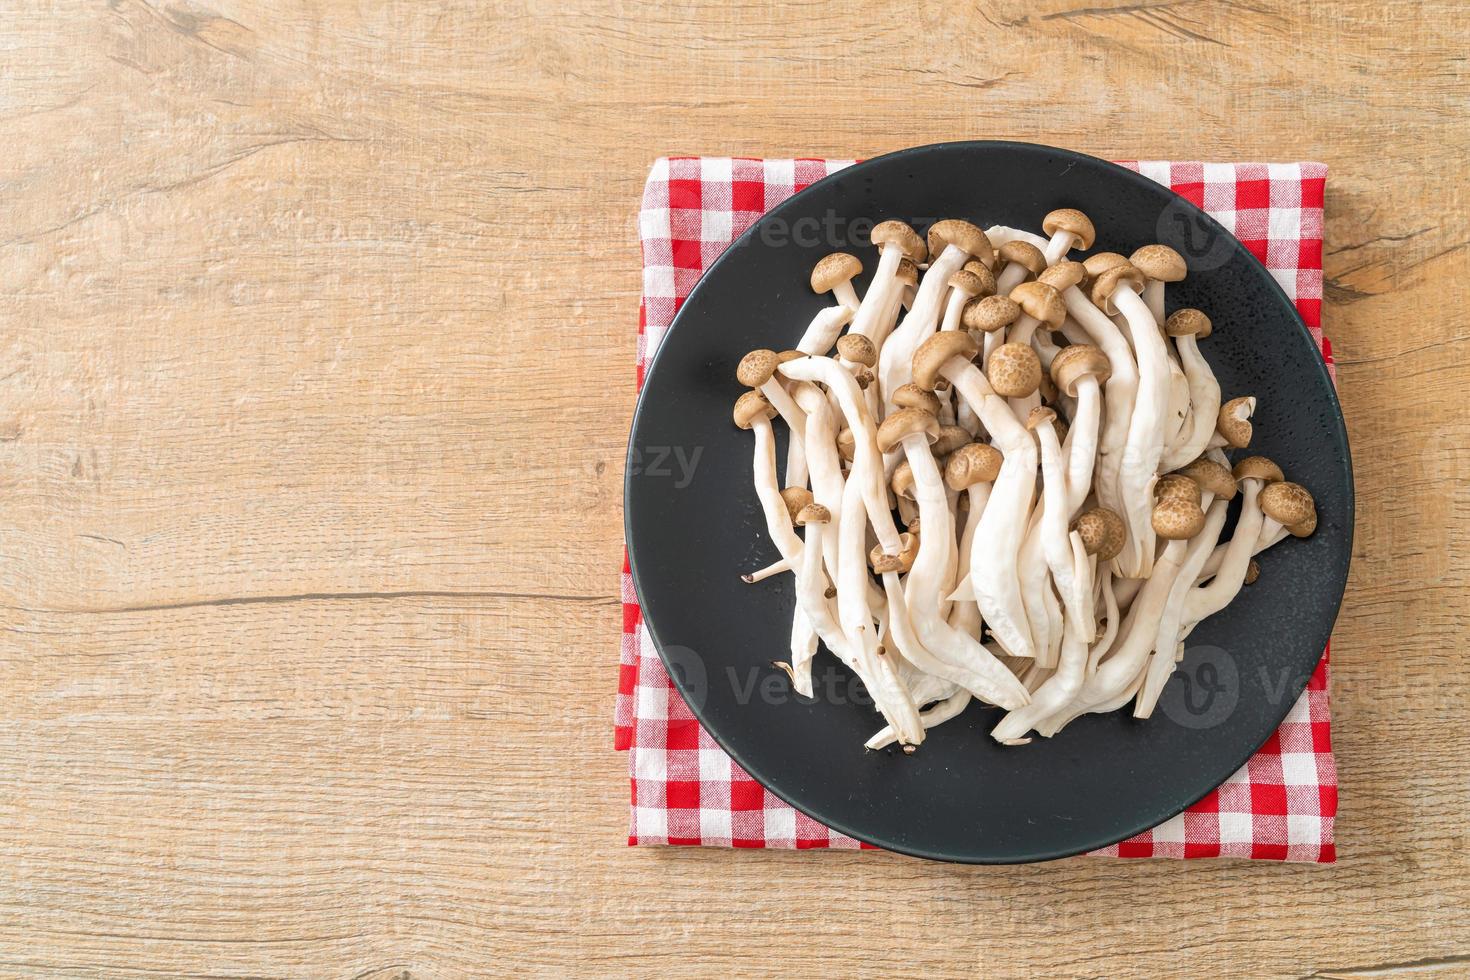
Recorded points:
(1274,287)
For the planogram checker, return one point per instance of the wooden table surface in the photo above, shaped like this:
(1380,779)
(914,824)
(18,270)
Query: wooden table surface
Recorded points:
(315,379)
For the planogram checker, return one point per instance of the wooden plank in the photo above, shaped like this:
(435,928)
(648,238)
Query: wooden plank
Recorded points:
(315,377)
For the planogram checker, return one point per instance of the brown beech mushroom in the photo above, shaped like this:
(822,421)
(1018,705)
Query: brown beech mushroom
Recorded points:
(1188,327)
(958,657)
(957,241)
(1233,424)
(964,286)
(1021,259)
(971,470)
(993,575)
(834,274)
(1079,372)
(1041,305)
(1161,264)
(753,412)
(1118,288)
(1069,229)
(1014,371)
(812,596)
(895,241)
(1071,570)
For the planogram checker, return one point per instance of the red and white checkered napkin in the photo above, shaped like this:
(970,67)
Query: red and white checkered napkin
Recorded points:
(686,790)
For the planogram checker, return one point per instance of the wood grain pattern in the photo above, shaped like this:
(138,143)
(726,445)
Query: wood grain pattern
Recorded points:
(315,377)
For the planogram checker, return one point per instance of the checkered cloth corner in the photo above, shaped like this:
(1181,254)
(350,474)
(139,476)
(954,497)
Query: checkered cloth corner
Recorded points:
(686,790)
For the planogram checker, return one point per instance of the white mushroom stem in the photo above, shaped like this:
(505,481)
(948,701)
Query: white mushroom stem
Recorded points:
(761,574)
(1120,391)
(959,658)
(1036,594)
(874,668)
(1127,589)
(1071,571)
(824,462)
(885,286)
(938,714)
(768,492)
(1002,234)
(1104,643)
(867,463)
(824,329)
(1179,404)
(895,359)
(1235,558)
(1082,442)
(965,613)
(993,578)
(1145,444)
(1121,667)
(815,610)
(803,648)
(1204,405)
(953,307)
(1172,622)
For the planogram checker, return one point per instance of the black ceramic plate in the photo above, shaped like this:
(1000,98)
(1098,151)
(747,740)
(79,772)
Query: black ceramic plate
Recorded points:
(693,525)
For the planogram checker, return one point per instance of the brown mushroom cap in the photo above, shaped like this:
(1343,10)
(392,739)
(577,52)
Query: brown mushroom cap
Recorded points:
(990,313)
(1188,322)
(900,235)
(902,480)
(1095,265)
(935,352)
(832,270)
(751,407)
(1305,528)
(1041,302)
(1108,281)
(790,355)
(1014,370)
(813,514)
(1159,262)
(756,368)
(1072,221)
(912,396)
(1103,533)
(1078,361)
(951,438)
(1176,485)
(1063,275)
(796,498)
(1252,572)
(1288,503)
(1039,416)
(846,444)
(1176,519)
(901,562)
(982,272)
(1024,254)
(908,272)
(1258,468)
(1211,476)
(1234,423)
(906,422)
(972,463)
(964,236)
(863,376)
(857,348)
(967,283)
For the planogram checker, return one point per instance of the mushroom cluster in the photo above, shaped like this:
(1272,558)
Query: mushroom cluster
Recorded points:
(1007,479)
